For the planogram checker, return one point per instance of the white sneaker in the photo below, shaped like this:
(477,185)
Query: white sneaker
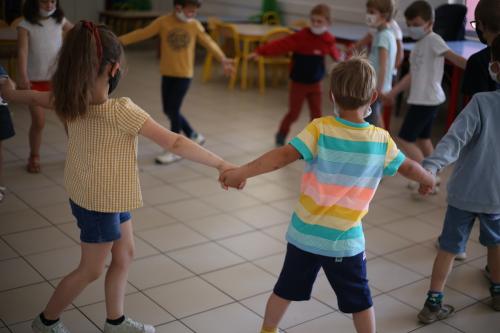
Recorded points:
(198,138)
(167,158)
(128,326)
(38,327)
(460,257)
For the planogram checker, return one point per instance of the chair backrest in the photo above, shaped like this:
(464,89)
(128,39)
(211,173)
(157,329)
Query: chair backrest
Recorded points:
(450,21)
(212,23)
(275,34)
(300,24)
(228,39)
(16,22)
(270,18)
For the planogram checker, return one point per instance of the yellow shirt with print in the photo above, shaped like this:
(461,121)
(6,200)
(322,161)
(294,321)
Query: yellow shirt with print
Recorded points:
(178,41)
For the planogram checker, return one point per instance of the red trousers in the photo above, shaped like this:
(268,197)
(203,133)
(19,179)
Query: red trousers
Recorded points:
(298,93)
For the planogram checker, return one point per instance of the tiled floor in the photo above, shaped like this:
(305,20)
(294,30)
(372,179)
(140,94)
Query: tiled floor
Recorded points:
(207,259)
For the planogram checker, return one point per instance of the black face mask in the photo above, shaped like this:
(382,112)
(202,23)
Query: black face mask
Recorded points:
(113,81)
(480,36)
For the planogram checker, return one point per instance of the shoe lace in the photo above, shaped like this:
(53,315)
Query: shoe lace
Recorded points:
(135,324)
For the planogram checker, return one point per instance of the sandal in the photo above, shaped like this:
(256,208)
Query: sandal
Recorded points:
(34,164)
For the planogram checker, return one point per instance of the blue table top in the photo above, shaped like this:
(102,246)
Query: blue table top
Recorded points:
(465,48)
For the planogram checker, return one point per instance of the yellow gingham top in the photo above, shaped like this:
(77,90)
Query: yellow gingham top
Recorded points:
(101,172)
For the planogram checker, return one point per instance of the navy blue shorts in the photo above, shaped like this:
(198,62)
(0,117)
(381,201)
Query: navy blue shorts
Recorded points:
(418,122)
(346,275)
(98,227)
(458,225)
(6,127)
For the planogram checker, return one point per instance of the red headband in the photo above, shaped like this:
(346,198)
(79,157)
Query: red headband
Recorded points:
(95,31)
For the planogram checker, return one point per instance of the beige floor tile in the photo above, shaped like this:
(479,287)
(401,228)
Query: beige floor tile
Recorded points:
(262,216)
(231,200)
(277,232)
(74,320)
(205,258)
(188,210)
(11,204)
(417,258)
(272,264)
(242,281)
(219,226)
(17,273)
(6,252)
(137,306)
(413,230)
(227,319)
(270,192)
(470,281)
(437,328)
(173,173)
(415,295)
(153,271)
(94,292)
(57,263)
(200,187)
(21,221)
(171,237)
(393,316)
(149,218)
(24,303)
(385,275)
(163,194)
(434,217)
(45,196)
(71,230)
(380,241)
(380,215)
(287,206)
(244,245)
(406,205)
(174,297)
(58,213)
(149,181)
(477,318)
(173,327)
(297,313)
(34,241)
(26,181)
(333,321)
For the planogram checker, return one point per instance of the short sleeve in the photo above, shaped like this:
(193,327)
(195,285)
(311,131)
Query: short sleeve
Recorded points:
(438,45)
(396,29)
(384,40)
(129,116)
(306,142)
(25,25)
(393,158)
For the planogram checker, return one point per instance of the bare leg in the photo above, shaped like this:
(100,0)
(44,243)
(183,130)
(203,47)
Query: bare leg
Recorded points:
(116,277)
(441,269)
(275,309)
(364,321)
(494,263)
(35,137)
(411,150)
(425,146)
(1,164)
(92,264)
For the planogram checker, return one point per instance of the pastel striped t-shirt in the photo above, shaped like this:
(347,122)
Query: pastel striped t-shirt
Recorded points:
(344,164)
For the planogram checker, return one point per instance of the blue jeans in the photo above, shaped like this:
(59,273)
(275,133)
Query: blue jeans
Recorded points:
(173,91)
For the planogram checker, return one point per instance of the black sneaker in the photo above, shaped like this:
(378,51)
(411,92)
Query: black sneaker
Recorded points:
(495,298)
(434,312)
(280,139)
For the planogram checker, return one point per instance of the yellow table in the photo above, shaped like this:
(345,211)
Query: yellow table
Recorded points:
(8,48)
(250,33)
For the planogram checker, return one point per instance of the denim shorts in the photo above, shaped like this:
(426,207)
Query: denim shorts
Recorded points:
(418,122)
(458,225)
(98,227)
(346,275)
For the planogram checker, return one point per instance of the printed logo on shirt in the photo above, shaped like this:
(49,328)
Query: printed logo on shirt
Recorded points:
(178,39)
(317,52)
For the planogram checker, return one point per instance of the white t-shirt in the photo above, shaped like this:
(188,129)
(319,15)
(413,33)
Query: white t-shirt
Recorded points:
(45,40)
(426,69)
(394,27)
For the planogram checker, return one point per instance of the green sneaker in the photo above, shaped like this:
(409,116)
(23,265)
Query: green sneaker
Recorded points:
(129,326)
(434,312)
(38,327)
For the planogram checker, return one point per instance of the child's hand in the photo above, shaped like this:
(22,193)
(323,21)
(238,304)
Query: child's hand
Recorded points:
(7,86)
(23,83)
(228,66)
(428,187)
(233,178)
(222,170)
(253,56)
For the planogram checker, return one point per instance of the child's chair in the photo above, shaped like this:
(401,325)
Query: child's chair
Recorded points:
(270,18)
(212,25)
(229,40)
(16,22)
(275,61)
(299,24)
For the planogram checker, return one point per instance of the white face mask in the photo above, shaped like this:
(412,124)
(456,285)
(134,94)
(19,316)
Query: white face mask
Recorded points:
(44,13)
(319,30)
(181,16)
(372,20)
(494,76)
(417,33)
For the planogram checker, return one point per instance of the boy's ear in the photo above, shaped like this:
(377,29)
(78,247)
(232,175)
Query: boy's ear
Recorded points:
(114,68)
(374,97)
(332,99)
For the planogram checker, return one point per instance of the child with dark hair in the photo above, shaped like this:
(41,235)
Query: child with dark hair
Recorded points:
(101,173)
(471,143)
(179,31)
(40,37)
(309,47)
(6,131)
